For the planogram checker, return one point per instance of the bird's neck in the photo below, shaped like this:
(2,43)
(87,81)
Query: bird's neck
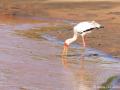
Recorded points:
(70,40)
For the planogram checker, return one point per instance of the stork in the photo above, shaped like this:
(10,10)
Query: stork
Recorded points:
(82,29)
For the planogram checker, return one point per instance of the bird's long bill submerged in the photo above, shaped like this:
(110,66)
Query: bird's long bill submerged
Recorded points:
(82,29)
(65,49)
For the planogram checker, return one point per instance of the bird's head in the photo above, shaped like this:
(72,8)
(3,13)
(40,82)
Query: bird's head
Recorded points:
(66,44)
(97,25)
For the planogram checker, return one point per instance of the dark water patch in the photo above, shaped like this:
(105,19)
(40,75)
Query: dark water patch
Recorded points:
(92,55)
(70,55)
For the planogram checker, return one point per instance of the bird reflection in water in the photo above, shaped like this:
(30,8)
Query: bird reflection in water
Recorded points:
(81,77)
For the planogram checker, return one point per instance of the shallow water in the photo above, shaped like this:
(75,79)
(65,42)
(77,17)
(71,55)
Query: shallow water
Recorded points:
(89,67)
(28,64)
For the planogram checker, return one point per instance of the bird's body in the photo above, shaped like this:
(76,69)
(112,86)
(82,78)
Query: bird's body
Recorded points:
(82,29)
(82,26)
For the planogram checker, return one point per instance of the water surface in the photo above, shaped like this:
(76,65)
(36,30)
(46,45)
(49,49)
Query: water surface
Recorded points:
(29,64)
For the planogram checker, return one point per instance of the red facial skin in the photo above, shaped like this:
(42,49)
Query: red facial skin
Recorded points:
(66,45)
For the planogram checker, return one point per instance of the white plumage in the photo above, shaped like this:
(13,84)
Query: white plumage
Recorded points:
(83,26)
(82,29)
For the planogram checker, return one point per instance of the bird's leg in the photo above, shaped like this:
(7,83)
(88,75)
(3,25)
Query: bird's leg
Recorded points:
(83,39)
(63,53)
(66,50)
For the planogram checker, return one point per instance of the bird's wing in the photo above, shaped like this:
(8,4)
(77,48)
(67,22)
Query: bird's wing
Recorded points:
(82,27)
